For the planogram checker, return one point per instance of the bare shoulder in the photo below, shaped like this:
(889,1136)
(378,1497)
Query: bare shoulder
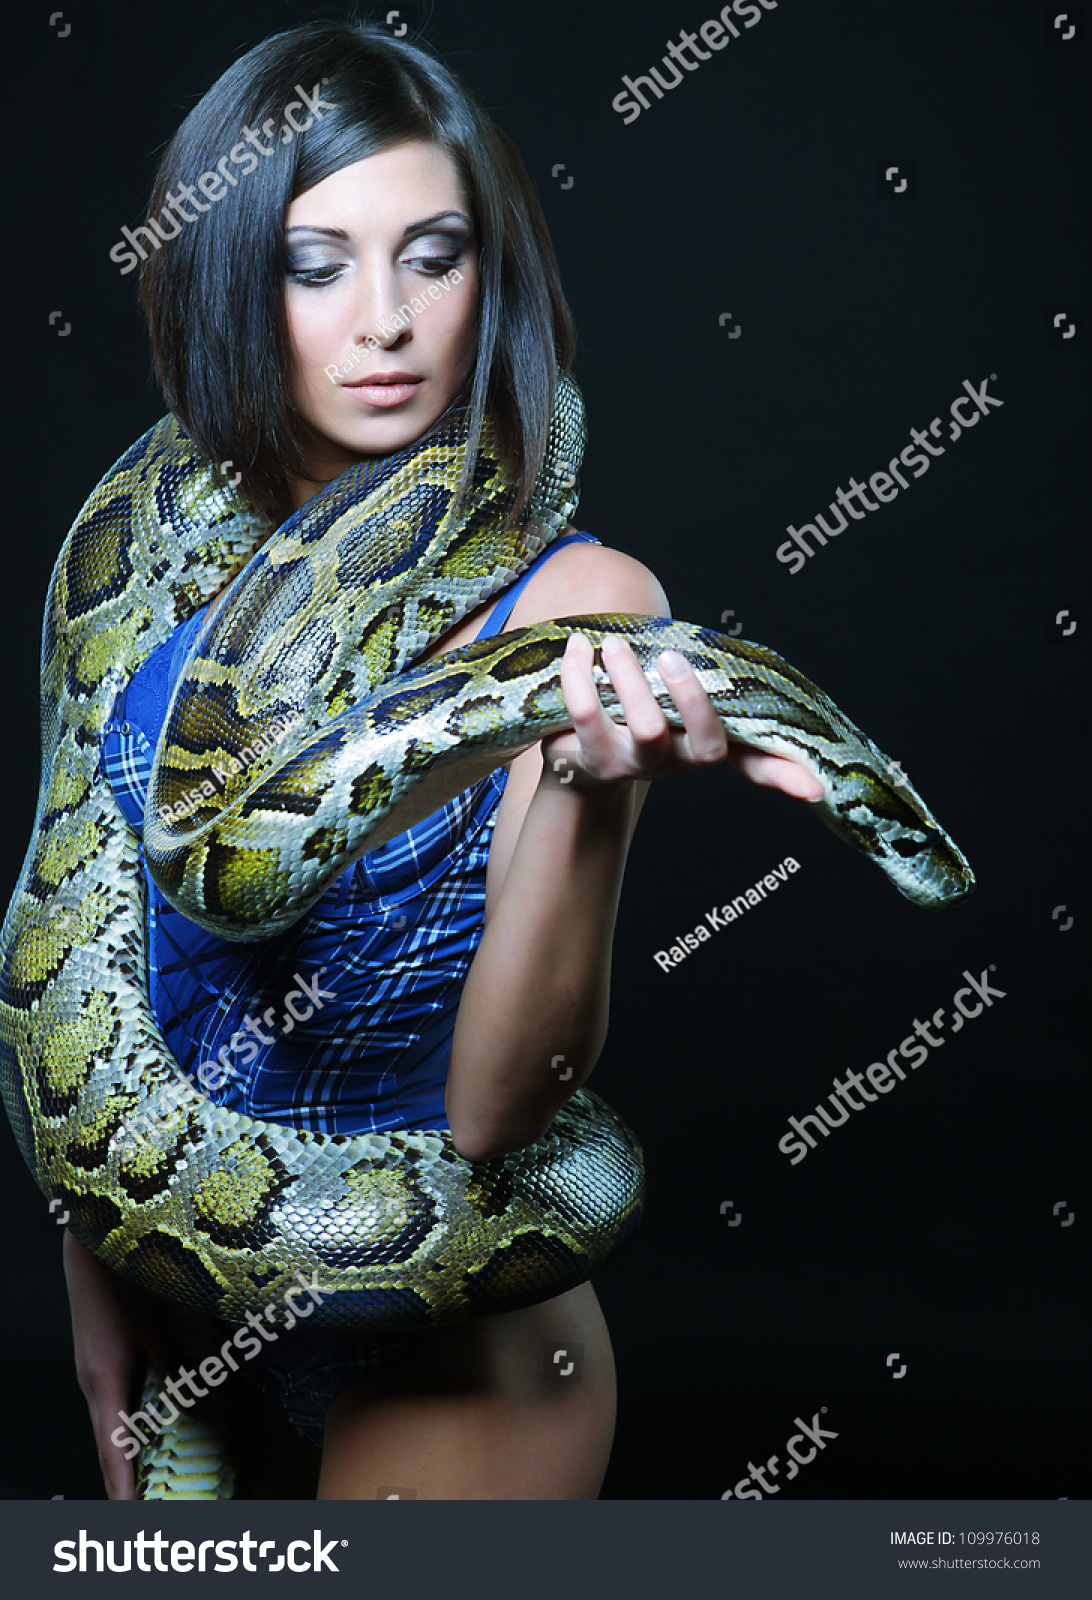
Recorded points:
(589,577)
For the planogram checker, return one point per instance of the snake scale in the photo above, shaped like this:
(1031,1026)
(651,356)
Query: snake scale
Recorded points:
(300,735)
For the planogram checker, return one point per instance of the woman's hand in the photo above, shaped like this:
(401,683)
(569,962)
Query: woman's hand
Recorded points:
(113,1330)
(600,750)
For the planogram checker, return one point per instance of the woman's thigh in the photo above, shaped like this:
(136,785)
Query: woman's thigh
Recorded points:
(519,1406)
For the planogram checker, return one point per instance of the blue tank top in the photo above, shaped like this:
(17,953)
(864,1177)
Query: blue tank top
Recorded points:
(342,1023)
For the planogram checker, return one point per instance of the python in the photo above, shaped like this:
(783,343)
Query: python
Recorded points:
(211,1074)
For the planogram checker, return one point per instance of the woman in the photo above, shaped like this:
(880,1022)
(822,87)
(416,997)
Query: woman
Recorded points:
(354,167)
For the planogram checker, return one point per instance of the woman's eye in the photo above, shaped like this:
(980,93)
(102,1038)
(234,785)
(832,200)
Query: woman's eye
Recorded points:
(430,265)
(436,261)
(315,275)
(436,264)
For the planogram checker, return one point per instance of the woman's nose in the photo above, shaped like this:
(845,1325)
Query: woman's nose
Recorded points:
(380,320)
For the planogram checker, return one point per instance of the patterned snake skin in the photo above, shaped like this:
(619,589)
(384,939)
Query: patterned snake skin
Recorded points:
(300,736)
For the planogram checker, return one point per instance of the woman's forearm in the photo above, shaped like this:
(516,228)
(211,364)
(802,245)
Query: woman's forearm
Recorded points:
(534,1009)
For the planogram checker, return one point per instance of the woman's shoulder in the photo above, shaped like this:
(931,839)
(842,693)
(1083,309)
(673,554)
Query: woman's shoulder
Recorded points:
(584,577)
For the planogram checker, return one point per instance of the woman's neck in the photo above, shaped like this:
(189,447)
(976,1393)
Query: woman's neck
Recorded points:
(304,489)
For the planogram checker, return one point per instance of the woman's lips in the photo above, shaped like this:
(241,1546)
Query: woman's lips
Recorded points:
(384,394)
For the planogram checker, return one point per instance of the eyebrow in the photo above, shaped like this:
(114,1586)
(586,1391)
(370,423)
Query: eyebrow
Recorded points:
(411,228)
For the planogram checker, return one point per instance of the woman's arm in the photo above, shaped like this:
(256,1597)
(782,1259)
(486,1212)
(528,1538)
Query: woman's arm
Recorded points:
(534,1010)
(533,1015)
(115,1328)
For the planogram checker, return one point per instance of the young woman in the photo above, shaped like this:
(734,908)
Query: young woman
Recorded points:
(355,168)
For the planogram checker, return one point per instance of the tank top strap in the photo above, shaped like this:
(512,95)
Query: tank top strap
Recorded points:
(505,605)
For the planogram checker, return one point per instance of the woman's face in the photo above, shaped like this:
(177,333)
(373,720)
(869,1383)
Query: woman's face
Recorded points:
(365,241)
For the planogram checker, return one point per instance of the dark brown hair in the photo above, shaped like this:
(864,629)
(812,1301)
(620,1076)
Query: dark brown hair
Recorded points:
(213,293)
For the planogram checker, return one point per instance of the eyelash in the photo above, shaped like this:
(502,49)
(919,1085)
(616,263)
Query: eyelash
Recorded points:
(317,277)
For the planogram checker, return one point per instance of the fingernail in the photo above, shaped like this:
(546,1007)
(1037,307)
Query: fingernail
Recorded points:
(612,644)
(672,665)
(573,637)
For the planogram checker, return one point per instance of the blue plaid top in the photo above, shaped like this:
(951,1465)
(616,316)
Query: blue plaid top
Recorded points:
(342,1023)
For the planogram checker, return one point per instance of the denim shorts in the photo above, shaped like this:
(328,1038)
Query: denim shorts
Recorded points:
(304,1371)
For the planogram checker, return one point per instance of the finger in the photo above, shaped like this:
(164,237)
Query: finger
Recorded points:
(706,734)
(643,713)
(776,772)
(593,727)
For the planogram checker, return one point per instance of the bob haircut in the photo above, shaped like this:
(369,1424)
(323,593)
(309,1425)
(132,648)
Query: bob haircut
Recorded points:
(213,292)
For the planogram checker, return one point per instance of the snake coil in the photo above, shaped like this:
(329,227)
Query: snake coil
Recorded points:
(247,825)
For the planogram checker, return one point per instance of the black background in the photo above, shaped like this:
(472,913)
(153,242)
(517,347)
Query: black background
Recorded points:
(926,1226)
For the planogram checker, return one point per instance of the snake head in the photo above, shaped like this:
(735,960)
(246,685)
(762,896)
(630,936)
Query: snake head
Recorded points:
(890,822)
